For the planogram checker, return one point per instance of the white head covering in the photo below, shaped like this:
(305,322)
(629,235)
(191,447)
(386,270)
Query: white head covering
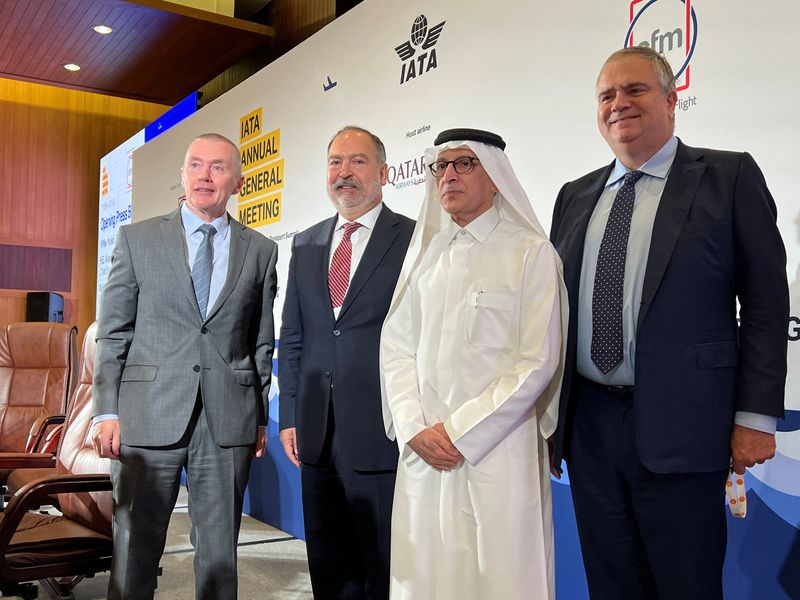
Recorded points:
(513,205)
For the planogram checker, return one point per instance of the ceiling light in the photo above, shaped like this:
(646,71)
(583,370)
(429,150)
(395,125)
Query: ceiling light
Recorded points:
(102,29)
(72,67)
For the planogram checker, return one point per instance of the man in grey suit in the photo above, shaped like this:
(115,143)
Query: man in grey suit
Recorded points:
(182,373)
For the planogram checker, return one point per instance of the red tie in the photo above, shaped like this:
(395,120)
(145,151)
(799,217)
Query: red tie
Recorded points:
(339,274)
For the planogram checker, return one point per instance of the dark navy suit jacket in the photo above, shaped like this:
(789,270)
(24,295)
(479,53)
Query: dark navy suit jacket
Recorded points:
(322,358)
(715,239)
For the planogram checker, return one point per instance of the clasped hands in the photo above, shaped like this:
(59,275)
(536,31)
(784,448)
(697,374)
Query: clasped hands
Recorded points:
(434,446)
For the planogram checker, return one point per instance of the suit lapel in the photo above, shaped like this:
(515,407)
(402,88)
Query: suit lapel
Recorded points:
(679,192)
(175,246)
(321,262)
(571,244)
(240,242)
(380,240)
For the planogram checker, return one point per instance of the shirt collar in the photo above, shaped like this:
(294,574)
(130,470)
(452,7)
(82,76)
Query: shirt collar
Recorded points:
(191,222)
(480,227)
(657,165)
(368,219)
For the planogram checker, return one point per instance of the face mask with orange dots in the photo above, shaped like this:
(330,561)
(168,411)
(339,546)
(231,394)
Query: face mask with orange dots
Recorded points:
(736,494)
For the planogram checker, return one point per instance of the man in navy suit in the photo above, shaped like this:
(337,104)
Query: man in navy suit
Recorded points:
(663,390)
(341,278)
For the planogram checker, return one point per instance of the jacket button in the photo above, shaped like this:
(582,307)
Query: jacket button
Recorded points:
(203,330)
(327,373)
(337,333)
(196,368)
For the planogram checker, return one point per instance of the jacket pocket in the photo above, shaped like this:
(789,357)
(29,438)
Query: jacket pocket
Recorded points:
(249,283)
(701,226)
(139,373)
(716,355)
(245,377)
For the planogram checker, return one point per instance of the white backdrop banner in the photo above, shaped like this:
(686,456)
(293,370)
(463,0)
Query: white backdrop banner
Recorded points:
(525,69)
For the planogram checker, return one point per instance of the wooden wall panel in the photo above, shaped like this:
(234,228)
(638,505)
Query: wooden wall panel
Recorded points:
(296,20)
(293,21)
(51,142)
(35,268)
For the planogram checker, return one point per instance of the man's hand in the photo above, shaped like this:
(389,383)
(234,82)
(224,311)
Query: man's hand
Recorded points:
(261,442)
(289,441)
(105,437)
(433,445)
(556,471)
(750,446)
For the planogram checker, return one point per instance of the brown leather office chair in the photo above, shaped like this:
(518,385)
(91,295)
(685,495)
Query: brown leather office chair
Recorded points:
(59,551)
(39,458)
(38,370)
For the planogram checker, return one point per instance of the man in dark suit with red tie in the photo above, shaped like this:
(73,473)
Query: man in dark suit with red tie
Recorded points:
(342,275)
(663,389)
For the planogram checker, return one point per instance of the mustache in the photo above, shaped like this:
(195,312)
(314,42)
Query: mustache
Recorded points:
(343,181)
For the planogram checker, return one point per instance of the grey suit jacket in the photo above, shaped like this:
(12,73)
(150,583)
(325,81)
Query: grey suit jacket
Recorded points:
(154,350)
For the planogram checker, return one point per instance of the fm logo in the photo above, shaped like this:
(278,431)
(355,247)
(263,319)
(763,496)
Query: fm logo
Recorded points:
(425,38)
(670,28)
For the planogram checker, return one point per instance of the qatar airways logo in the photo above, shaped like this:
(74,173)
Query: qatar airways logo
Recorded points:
(670,28)
(407,173)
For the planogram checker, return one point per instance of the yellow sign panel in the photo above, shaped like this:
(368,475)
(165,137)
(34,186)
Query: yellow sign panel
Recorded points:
(259,199)
(250,125)
(262,150)
(261,212)
(262,181)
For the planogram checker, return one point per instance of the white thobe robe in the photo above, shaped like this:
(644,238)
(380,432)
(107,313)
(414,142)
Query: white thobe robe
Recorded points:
(473,344)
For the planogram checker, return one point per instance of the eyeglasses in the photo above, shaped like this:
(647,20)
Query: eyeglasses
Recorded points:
(462,166)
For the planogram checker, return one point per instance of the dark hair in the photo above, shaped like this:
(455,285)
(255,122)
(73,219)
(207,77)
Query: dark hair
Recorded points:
(381,149)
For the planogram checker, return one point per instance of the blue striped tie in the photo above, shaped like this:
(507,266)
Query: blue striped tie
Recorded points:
(201,271)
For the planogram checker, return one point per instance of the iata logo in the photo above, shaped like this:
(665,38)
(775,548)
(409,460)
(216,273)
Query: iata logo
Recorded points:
(670,28)
(425,38)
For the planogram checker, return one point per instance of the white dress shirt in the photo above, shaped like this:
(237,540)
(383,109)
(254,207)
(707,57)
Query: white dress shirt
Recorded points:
(359,240)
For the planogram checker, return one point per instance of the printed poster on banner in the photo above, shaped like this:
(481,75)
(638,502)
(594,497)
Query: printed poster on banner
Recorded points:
(262,170)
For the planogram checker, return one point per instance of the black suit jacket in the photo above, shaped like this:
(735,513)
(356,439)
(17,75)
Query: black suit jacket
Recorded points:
(320,358)
(715,240)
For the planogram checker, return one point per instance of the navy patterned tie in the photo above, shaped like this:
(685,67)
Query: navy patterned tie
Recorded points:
(201,271)
(606,350)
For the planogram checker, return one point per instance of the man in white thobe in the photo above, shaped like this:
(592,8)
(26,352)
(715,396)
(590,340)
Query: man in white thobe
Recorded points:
(471,356)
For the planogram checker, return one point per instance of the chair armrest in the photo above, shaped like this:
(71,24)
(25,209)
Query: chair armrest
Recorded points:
(32,493)
(26,460)
(39,429)
(52,440)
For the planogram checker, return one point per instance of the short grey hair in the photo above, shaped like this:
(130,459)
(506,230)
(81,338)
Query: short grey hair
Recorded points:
(216,137)
(381,149)
(661,66)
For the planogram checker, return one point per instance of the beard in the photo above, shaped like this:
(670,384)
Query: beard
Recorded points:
(362,194)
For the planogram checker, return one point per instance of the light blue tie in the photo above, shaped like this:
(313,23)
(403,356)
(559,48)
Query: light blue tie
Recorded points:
(201,271)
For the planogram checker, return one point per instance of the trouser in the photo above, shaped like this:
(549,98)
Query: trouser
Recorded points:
(348,517)
(643,535)
(146,481)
